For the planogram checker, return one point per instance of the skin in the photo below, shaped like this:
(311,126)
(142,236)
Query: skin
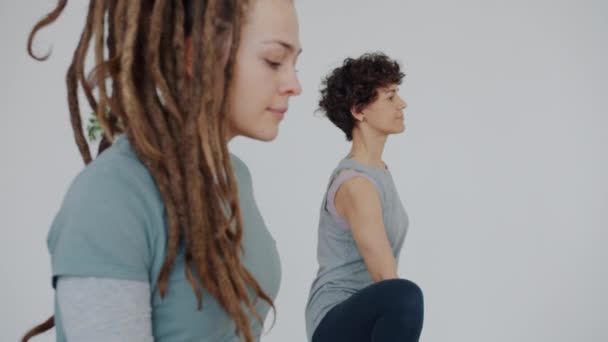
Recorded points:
(264,71)
(357,200)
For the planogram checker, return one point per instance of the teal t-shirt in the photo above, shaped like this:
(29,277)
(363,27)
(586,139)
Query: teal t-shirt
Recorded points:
(112,224)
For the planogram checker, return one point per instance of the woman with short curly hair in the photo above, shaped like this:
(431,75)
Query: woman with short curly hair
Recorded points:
(357,294)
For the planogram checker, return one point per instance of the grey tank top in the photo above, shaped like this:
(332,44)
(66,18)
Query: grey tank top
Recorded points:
(342,271)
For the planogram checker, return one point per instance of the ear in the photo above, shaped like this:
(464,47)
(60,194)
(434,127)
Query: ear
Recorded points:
(224,46)
(188,55)
(224,49)
(223,41)
(357,113)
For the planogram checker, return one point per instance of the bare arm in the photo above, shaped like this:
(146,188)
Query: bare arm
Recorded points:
(358,202)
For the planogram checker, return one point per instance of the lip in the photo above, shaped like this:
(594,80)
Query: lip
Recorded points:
(278,112)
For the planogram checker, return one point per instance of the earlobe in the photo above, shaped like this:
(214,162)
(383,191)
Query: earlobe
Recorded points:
(224,49)
(357,114)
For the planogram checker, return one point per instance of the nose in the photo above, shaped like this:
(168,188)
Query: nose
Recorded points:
(291,84)
(402,104)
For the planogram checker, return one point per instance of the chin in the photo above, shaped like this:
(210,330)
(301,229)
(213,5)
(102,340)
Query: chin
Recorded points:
(397,131)
(266,135)
(267,138)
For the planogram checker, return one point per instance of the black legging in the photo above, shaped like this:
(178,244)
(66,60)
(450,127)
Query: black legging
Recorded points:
(390,310)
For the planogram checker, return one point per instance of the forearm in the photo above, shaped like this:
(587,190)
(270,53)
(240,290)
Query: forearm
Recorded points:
(102,309)
(380,263)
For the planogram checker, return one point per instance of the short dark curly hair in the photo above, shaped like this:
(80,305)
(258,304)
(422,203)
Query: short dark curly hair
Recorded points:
(355,84)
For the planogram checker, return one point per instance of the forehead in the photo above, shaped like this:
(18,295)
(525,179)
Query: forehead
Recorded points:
(391,88)
(272,20)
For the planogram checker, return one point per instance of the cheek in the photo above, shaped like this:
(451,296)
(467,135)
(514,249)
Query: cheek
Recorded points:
(249,99)
(252,87)
(387,112)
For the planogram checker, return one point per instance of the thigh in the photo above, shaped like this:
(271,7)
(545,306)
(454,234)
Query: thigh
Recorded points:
(353,320)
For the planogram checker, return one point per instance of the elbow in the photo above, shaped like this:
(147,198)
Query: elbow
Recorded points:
(383,272)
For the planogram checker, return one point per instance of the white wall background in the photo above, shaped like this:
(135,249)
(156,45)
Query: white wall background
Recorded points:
(502,169)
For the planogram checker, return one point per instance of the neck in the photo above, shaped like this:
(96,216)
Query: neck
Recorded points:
(367,148)
(229,133)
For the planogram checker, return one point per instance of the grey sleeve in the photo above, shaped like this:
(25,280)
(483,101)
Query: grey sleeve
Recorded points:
(104,309)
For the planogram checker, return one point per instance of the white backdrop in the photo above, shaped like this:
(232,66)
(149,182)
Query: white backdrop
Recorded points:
(502,168)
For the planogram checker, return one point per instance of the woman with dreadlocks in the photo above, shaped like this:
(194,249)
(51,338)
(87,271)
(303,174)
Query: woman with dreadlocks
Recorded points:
(159,238)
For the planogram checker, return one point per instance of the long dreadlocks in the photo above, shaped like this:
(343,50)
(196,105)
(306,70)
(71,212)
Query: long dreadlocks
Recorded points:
(176,125)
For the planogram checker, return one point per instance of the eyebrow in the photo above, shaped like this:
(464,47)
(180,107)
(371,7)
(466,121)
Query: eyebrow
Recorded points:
(284,44)
(394,91)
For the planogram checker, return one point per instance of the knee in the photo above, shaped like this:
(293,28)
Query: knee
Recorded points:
(404,296)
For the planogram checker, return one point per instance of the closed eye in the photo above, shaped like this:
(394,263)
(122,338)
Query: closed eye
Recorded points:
(272,64)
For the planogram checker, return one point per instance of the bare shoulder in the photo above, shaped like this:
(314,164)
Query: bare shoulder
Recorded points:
(359,194)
